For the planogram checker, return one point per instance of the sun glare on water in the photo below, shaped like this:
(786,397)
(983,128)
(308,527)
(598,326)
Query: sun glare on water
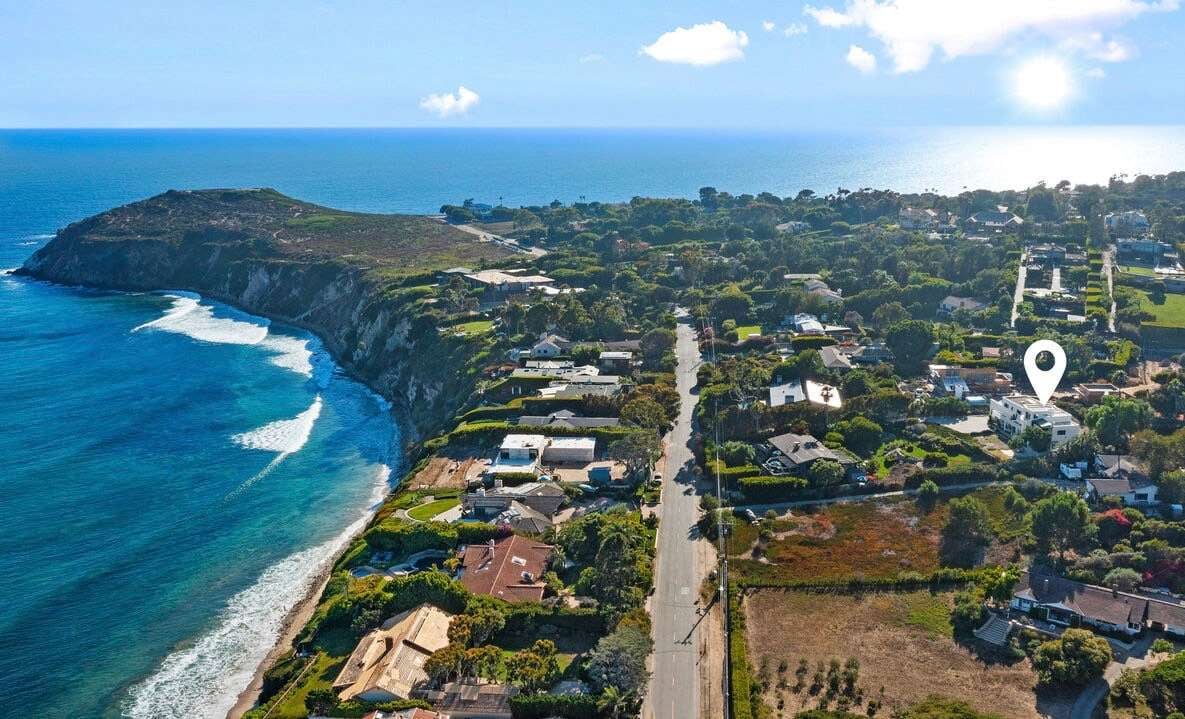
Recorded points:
(1042,83)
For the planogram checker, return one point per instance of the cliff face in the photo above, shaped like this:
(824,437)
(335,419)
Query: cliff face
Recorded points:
(373,326)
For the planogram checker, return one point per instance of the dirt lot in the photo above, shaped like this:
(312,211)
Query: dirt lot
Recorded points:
(443,473)
(902,642)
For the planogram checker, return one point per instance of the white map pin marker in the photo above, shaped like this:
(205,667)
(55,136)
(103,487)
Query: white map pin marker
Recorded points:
(1045,381)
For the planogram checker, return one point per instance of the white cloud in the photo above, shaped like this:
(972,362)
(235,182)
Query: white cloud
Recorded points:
(794,28)
(1096,47)
(1096,73)
(592,57)
(861,59)
(913,30)
(446,104)
(768,25)
(709,43)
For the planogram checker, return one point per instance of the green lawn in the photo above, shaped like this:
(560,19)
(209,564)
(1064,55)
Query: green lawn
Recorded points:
(882,469)
(746,330)
(1138,270)
(1170,312)
(424,512)
(475,327)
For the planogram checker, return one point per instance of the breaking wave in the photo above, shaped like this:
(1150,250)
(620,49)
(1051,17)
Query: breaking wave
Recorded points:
(285,437)
(203,681)
(189,317)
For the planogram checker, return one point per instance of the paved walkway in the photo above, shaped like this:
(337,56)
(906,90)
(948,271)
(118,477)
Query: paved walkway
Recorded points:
(507,242)
(1019,295)
(1108,272)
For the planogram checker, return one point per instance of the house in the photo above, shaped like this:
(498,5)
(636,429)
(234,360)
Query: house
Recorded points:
(1072,604)
(550,346)
(616,361)
(915,218)
(873,353)
(506,282)
(622,346)
(828,295)
(978,378)
(1013,414)
(570,450)
(788,393)
(1131,222)
(797,452)
(1092,392)
(952,304)
(518,453)
(387,664)
(834,359)
(560,373)
(806,324)
(1145,251)
(461,700)
(993,220)
(1119,466)
(1130,492)
(510,568)
(793,227)
(581,389)
(822,394)
(567,419)
(543,497)
(522,518)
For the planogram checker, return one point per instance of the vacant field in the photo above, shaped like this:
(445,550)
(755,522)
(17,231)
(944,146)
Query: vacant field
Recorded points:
(869,539)
(441,473)
(1170,312)
(903,644)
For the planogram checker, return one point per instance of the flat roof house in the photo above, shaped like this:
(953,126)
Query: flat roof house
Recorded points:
(469,700)
(570,450)
(1015,413)
(510,568)
(388,663)
(616,361)
(519,453)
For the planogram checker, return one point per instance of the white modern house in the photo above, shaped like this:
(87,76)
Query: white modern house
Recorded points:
(1015,413)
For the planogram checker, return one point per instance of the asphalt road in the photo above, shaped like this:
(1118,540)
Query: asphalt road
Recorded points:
(674,687)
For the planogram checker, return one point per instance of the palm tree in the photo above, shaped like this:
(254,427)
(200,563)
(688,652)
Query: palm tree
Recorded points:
(614,704)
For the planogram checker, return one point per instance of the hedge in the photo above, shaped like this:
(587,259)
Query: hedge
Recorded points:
(354,709)
(811,342)
(739,680)
(524,619)
(945,576)
(542,706)
(947,476)
(772,488)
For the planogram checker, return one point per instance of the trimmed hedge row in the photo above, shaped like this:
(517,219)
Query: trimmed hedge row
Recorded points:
(542,706)
(526,618)
(740,679)
(905,580)
(769,488)
(811,342)
(947,476)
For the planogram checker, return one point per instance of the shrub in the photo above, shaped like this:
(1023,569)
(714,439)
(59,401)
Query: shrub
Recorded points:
(1075,659)
(767,488)
(542,706)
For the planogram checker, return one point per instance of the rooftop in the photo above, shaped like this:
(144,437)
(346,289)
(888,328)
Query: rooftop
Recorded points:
(510,568)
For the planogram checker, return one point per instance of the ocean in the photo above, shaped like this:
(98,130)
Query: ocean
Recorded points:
(176,471)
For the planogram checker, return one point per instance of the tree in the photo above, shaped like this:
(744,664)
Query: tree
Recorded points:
(613,704)
(1116,418)
(540,316)
(535,669)
(736,454)
(860,434)
(447,663)
(910,341)
(1124,579)
(731,303)
(888,315)
(320,701)
(928,495)
(1073,660)
(826,473)
(1035,437)
(644,412)
(1060,522)
(638,449)
(656,343)
(585,354)
(968,529)
(1172,487)
(618,661)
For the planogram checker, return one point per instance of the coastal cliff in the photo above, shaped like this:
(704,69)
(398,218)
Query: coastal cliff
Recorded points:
(354,279)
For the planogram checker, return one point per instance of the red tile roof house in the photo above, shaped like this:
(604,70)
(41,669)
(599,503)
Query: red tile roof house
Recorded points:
(511,568)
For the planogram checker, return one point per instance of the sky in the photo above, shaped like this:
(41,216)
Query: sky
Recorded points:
(495,63)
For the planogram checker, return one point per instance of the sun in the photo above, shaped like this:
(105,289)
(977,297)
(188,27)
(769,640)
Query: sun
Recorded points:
(1042,83)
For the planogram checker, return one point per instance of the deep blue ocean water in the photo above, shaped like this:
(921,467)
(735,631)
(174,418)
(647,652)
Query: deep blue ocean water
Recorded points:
(174,471)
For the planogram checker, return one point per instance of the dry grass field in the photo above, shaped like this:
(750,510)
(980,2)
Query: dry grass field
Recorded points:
(903,643)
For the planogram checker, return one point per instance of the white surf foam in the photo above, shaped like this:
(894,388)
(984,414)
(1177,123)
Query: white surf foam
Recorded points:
(188,316)
(203,681)
(303,355)
(284,437)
